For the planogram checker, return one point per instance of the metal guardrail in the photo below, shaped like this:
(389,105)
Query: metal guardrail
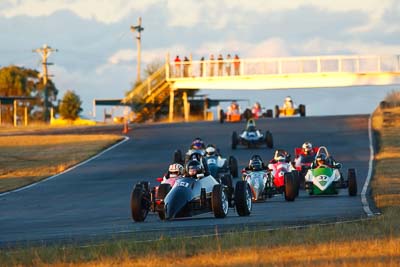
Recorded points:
(284,66)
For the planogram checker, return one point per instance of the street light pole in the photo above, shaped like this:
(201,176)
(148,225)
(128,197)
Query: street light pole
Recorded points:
(138,28)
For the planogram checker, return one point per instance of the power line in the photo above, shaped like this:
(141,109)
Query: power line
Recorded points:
(45,52)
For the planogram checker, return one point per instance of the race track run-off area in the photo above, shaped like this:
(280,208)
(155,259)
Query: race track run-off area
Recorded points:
(93,200)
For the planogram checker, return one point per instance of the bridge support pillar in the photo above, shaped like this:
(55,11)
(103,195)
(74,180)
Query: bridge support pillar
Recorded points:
(171,105)
(186,106)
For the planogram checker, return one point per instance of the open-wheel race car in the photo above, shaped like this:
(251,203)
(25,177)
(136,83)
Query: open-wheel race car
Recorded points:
(188,197)
(252,137)
(289,109)
(325,178)
(265,183)
(234,114)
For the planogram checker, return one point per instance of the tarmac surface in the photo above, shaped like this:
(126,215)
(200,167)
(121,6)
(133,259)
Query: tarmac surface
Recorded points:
(92,201)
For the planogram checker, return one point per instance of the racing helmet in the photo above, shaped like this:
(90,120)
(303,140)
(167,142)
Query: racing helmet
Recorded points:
(175,170)
(280,155)
(197,144)
(321,159)
(193,168)
(210,150)
(307,147)
(256,164)
(288,99)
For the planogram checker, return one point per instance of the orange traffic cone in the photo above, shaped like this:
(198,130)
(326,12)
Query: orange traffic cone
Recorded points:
(126,128)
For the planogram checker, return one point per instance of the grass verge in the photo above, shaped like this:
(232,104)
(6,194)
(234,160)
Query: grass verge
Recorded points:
(374,242)
(29,158)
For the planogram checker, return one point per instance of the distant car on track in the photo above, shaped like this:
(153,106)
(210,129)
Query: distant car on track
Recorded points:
(252,137)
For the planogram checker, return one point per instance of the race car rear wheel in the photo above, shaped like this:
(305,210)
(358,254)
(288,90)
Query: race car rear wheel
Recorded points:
(269,113)
(178,158)
(140,203)
(302,110)
(247,114)
(277,111)
(219,201)
(233,166)
(268,139)
(290,187)
(243,200)
(234,140)
(352,182)
(296,176)
(221,116)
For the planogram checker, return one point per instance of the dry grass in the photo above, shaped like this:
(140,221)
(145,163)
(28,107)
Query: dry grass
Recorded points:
(30,158)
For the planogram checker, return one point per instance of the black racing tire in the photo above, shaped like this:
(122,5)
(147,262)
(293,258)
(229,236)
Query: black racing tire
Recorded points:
(219,201)
(277,111)
(290,187)
(139,204)
(302,110)
(243,201)
(269,113)
(163,190)
(247,114)
(234,140)
(296,177)
(178,158)
(233,166)
(221,116)
(352,182)
(269,139)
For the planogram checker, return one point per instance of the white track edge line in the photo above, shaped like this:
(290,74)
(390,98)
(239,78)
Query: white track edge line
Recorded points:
(364,200)
(126,138)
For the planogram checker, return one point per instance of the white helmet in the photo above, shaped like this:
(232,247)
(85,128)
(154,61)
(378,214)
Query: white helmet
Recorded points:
(175,169)
(307,147)
(288,99)
(210,150)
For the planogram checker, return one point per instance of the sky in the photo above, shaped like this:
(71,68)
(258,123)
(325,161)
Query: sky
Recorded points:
(96,54)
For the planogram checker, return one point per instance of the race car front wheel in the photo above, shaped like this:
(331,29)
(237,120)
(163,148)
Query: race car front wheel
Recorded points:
(243,198)
(139,204)
(219,201)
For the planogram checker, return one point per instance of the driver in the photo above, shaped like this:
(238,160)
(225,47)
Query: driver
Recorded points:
(280,155)
(307,154)
(211,151)
(324,160)
(193,169)
(175,170)
(256,110)
(288,104)
(233,108)
(197,144)
(255,164)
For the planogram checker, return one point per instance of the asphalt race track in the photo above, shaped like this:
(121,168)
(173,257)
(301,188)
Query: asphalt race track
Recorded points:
(92,201)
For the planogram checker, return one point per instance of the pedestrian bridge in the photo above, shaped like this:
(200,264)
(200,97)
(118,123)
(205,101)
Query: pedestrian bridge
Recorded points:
(284,73)
(264,74)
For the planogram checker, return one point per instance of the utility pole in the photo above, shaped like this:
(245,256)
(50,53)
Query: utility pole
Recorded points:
(138,28)
(45,52)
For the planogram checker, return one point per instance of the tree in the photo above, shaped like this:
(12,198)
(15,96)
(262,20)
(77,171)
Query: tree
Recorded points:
(70,106)
(19,81)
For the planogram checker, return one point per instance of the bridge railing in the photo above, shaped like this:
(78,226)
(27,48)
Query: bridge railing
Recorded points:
(283,66)
(148,86)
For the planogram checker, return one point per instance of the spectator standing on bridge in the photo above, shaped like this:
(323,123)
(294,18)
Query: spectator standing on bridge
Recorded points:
(236,64)
(212,63)
(202,66)
(220,65)
(177,66)
(186,67)
(228,65)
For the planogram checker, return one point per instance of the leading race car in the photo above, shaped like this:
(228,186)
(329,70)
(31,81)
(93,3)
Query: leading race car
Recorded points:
(290,109)
(188,197)
(252,137)
(324,176)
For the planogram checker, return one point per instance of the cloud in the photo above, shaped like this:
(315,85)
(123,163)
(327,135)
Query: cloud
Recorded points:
(102,11)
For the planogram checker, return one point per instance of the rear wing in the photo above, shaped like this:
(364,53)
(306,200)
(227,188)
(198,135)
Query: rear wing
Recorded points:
(299,151)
